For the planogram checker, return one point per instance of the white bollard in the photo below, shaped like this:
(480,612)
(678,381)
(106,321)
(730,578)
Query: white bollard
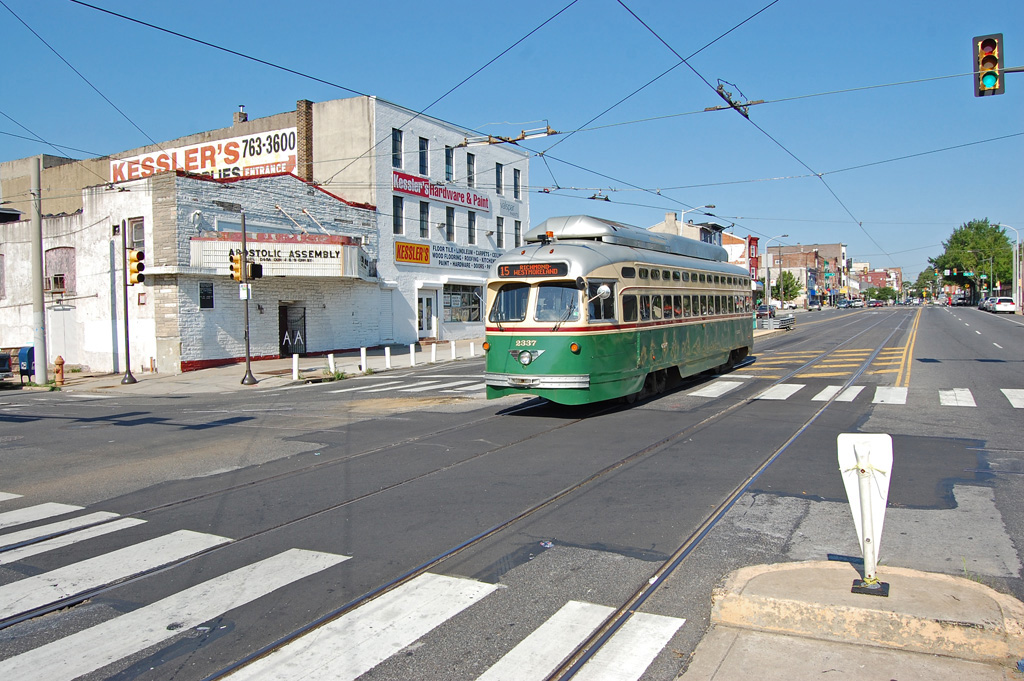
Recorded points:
(433,353)
(865,462)
(387,357)
(330,363)
(412,354)
(472,349)
(453,351)
(295,367)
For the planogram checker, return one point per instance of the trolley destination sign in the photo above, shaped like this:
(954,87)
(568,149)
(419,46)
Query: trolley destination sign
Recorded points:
(533,269)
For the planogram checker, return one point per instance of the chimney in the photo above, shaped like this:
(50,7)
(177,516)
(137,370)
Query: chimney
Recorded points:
(240,115)
(670,224)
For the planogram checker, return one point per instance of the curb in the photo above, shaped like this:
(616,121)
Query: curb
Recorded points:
(925,612)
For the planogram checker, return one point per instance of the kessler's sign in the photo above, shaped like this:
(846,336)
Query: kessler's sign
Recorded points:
(457,196)
(267,153)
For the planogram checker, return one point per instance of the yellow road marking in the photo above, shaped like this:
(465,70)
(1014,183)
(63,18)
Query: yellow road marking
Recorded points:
(885,371)
(903,380)
(823,374)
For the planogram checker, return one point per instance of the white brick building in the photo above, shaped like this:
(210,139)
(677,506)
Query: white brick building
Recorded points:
(374,226)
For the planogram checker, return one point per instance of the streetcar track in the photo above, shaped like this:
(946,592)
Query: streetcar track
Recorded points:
(614,621)
(617,618)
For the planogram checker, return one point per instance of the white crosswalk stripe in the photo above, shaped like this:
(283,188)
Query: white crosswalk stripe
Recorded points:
(353,644)
(434,387)
(399,386)
(57,585)
(632,649)
(14,555)
(1016,397)
(34,513)
(365,387)
(890,395)
(847,395)
(7,496)
(717,389)
(957,397)
(782,391)
(469,388)
(96,647)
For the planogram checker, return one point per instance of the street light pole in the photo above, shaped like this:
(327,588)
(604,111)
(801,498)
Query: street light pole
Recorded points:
(768,271)
(690,210)
(1017,298)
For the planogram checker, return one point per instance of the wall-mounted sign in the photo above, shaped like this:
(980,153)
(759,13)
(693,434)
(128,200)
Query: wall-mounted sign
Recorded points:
(444,255)
(456,196)
(266,153)
(304,255)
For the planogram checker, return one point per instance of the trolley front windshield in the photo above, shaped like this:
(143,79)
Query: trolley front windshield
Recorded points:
(510,303)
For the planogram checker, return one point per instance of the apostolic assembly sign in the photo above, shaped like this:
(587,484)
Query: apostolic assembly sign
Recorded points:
(266,153)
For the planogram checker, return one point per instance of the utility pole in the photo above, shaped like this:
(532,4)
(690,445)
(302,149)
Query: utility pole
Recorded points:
(38,304)
(127,379)
(248,379)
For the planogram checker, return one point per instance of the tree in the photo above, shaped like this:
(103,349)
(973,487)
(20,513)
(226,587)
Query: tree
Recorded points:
(975,249)
(790,287)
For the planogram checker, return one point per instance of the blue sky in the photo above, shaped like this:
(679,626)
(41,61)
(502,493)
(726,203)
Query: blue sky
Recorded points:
(665,154)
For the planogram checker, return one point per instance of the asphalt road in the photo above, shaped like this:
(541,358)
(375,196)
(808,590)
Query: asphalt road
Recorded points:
(353,484)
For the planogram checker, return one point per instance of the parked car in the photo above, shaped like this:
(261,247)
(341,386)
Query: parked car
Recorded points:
(875,303)
(764,311)
(986,303)
(815,305)
(1003,305)
(843,304)
(857,303)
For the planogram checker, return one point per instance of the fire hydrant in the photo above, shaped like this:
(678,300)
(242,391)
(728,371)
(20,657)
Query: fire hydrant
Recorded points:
(58,371)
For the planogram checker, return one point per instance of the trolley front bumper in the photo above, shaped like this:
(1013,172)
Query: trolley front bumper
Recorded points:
(537,380)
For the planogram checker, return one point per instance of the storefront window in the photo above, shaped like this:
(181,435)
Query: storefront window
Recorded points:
(462,303)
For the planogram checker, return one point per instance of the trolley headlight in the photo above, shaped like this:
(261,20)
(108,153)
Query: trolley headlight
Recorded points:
(575,348)
(525,357)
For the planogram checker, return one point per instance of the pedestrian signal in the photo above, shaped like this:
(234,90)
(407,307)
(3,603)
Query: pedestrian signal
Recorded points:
(253,270)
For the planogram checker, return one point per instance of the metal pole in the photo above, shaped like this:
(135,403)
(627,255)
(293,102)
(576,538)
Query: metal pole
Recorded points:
(128,378)
(38,303)
(248,379)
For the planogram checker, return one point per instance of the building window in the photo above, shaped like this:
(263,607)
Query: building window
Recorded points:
(471,229)
(59,270)
(499,229)
(470,170)
(424,220)
(449,223)
(497,178)
(461,303)
(397,206)
(396,148)
(517,178)
(449,164)
(424,156)
(517,234)
(206,295)
(137,234)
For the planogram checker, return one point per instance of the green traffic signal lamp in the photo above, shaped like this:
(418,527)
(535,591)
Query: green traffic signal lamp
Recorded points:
(136,266)
(988,65)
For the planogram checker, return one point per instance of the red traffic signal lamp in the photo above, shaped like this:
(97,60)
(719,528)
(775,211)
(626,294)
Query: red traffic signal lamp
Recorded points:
(135,267)
(989,69)
(236,267)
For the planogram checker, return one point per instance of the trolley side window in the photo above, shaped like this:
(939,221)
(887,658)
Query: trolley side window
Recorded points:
(510,303)
(686,306)
(597,309)
(628,272)
(558,302)
(629,309)
(667,306)
(656,306)
(645,308)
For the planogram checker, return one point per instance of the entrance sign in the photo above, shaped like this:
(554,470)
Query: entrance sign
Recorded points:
(865,462)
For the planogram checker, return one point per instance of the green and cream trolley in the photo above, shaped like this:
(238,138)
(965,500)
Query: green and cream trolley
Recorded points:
(592,310)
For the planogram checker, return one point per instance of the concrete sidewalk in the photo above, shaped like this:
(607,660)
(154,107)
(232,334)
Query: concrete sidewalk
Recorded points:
(801,621)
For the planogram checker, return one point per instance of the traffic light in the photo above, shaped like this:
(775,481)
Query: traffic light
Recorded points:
(253,270)
(988,65)
(236,266)
(135,267)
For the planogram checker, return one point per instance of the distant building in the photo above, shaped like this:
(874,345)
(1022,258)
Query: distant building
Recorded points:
(708,232)
(820,269)
(373,224)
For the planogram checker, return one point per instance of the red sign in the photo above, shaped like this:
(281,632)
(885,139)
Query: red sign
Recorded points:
(414,253)
(458,196)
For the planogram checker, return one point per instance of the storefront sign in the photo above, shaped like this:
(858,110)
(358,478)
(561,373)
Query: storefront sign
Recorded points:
(414,253)
(267,153)
(456,196)
(509,208)
(306,255)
